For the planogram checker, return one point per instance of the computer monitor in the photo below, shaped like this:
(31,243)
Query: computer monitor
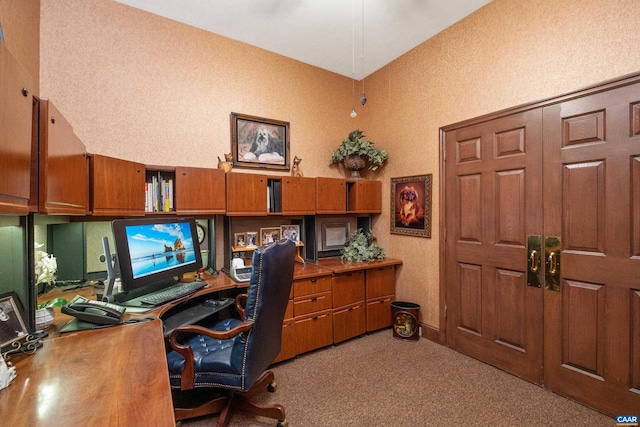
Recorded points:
(153,252)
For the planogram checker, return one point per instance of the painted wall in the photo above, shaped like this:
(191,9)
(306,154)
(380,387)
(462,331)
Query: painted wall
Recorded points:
(148,89)
(507,53)
(20,25)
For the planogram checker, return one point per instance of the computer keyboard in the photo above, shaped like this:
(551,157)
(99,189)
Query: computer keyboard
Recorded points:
(176,291)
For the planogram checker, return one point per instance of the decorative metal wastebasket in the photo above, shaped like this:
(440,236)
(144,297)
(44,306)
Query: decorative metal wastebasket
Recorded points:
(406,320)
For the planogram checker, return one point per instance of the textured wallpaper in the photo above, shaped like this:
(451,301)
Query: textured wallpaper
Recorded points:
(145,88)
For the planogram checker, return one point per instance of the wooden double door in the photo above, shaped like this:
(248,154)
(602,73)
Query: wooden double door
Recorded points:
(542,243)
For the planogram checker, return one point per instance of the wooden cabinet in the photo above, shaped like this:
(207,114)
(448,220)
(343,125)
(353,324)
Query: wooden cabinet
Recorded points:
(349,314)
(380,292)
(312,313)
(331,196)
(63,168)
(16,106)
(200,191)
(288,347)
(298,195)
(117,186)
(364,196)
(246,194)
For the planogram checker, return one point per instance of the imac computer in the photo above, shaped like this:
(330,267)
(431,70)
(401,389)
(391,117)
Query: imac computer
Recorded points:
(151,256)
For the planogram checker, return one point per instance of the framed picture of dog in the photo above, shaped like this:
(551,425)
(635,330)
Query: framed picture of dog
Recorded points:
(257,142)
(411,205)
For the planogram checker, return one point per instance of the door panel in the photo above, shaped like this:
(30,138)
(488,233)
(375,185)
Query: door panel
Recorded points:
(591,148)
(494,192)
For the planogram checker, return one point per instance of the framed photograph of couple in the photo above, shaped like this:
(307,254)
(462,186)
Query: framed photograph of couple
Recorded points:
(257,142)
(12,325)
(411,205)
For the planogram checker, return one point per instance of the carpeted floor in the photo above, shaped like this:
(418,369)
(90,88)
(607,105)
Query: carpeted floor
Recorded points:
(377,380)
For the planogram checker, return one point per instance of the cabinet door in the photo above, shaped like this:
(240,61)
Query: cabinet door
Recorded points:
(63,166)
(246,194)
(364,196)
(199,191)
(117,186)
(348,322)
(380,281)
(331,195)
(15,140)
(348,288)
(379,313)
(314,331)
(298,196)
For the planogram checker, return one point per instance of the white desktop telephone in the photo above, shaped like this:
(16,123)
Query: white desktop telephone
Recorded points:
(239,272)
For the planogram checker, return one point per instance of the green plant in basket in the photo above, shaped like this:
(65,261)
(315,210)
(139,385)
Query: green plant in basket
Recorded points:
(362,247)
(356,144)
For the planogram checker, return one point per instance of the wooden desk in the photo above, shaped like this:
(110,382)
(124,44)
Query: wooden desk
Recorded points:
(109,377)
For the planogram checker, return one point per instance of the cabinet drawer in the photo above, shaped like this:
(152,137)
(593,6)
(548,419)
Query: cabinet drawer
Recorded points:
(348,288)
(381,281)
(348,322)
(313,331)
(311,286)
(288,348)
(288,314)
(311,303)
(379,313)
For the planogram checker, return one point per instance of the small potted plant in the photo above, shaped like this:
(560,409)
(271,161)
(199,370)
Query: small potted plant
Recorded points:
(362,247)
(356,153)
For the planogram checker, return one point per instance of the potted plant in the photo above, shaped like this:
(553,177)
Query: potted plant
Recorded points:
(44,313)
(356,152)
(362,247)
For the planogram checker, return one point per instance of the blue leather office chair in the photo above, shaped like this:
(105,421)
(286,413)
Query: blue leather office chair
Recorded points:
(222,367)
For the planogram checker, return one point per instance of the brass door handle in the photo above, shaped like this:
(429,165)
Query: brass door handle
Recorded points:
(553,264)
(534,261)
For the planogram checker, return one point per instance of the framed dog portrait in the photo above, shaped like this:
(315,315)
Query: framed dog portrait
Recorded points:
(257,142)
(12,326)
(411,205)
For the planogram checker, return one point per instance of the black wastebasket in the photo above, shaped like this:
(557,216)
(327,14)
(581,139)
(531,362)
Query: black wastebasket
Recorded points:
(406,320)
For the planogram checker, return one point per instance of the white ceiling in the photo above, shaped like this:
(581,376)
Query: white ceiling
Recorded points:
(323,33)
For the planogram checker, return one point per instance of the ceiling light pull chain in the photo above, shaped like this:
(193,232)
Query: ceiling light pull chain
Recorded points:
(353,57)
(363,98)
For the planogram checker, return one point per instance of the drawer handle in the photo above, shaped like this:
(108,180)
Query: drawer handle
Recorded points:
(382,301)
(350,309)
(314,299)
(314,280)
(314,318)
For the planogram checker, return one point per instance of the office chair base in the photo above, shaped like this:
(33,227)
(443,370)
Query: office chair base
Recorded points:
(198,403)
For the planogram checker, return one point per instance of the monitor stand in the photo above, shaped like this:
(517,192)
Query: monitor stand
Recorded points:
(113,272)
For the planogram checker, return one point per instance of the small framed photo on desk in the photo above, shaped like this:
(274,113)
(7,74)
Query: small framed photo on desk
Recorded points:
(12,326)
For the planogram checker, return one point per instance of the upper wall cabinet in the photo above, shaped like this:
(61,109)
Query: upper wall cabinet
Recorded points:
(298,195)
(246,194)
(117,186)
(331,196)
(16,104)
(364,196)
(63,169)
(200,191)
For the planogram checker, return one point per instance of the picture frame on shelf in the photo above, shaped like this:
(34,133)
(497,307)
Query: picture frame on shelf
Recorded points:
(257,142)
(290,231)
(411,205)
(252,239)
(12,322)
(269,234)
(239,240)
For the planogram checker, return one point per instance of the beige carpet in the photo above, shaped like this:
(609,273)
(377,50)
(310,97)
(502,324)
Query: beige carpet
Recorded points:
(377,380)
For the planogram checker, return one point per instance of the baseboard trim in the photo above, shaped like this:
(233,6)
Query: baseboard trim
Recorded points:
(432,334)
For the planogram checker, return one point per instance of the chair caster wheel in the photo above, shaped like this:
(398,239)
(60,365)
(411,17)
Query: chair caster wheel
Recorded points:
(272,387)
(284,423)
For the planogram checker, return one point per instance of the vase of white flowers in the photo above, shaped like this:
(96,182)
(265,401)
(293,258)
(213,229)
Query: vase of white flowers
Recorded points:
(46,267)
